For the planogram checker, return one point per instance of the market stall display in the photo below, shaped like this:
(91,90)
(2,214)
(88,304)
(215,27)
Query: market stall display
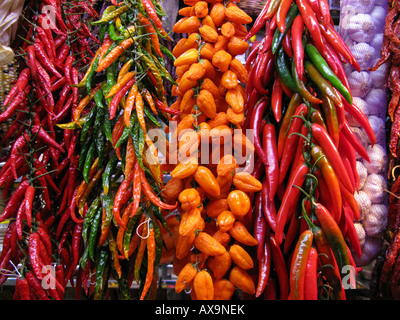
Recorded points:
(127,150)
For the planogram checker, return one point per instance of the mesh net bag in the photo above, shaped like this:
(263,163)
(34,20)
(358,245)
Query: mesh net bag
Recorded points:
(362,25)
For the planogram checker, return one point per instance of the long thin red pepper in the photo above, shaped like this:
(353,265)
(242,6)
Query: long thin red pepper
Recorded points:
(280,266)
(264,269)
(311,23)
(14,202)
(291,141)
(255,122)
(118,97)
(269,142)
(281,14)
(289,200)
(297,44)
(299,265)
(324,140)
(355,143)
(311,276)
(148,191)
(276,99)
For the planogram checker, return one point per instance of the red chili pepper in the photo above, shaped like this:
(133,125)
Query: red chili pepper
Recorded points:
(276,99)
(14,202)
(18,219)
(148,191)
(255,122)
(289,200)
(335,40)
(21,289)
(260,224)
(36,286)
(280,267)
(311,23)
(252,99)
(160,105)
(291,141)
(260,21)
(45,137)
(355,143)
(287,44)
(76,242)
(297,44)
(324,140)
(361,118)
(272,169)
(29,195)
(311,276)
(42,57)
(252,55)
(351,231)
(118,96)
(67,68)
(17,103)
(34,255)
(268,205)
(299,265)
(264,269)
(281,14)
(151,11)
(260,67)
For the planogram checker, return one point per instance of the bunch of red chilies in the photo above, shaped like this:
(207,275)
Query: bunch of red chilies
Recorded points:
(298,98)
(43,168)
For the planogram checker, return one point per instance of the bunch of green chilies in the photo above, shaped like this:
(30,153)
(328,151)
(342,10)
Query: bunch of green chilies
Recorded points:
(86,200)
(298,96)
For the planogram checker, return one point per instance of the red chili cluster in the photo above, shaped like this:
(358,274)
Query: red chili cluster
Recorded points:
(42,160)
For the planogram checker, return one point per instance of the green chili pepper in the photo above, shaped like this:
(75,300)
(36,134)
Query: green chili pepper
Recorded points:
(90,214)
(94,233)
(112,15)
(124,137)
(163,71)
(113,33)
(99,136)
(149,64)
(88,124)
(322,66)
(92,72)
(111,165)
(283,69)
(107,203)
(111,76)
(323,85)
(301,88)
(167,52)
(278,35)
(151,117)
(88,161)
(130,228)
(159,241)
(102,268)
(85,147)
(138,139)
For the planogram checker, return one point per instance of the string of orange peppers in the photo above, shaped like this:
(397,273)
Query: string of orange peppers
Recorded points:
(212,236)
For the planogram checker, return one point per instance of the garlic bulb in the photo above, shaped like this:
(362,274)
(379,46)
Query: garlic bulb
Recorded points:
(378,126)
(375,187)
(377,41)
(379,76)
(375,221)
(360,83)
(362,173)
(361,28)
(361,234)
(364,202)
(378,15)
(370,250)
(360,6)
(377,156)
(376,101)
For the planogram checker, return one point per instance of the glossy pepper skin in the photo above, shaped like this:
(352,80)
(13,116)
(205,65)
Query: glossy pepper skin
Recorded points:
(299,265)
